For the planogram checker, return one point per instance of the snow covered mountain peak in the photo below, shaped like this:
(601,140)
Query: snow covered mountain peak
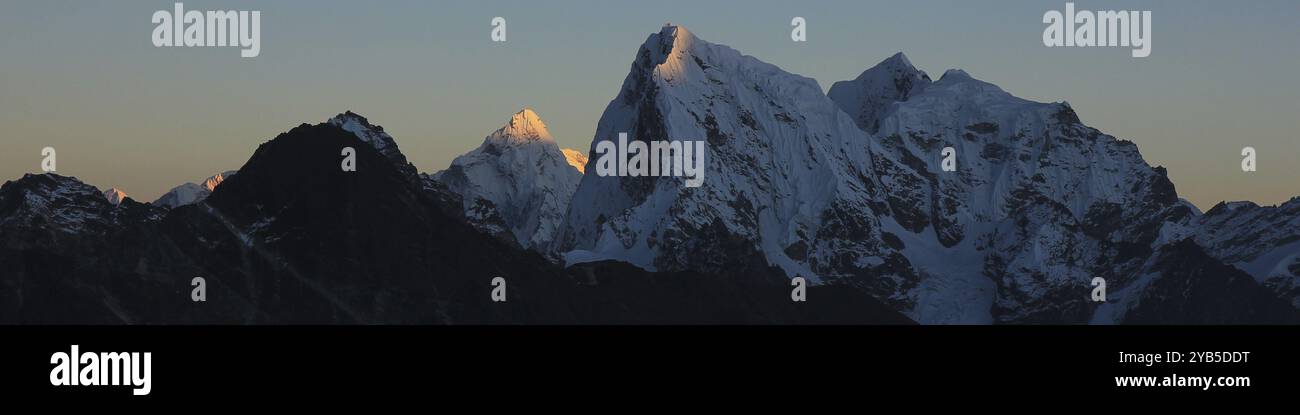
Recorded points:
(577,159)
(783,165)
(524,126)
(212,182)
(898,60)
(114,196)
(673,38)
(666,53)
(518,176)
(869,96)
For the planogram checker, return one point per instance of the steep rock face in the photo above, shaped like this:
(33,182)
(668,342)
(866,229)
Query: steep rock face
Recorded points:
(519,175)
(786,180)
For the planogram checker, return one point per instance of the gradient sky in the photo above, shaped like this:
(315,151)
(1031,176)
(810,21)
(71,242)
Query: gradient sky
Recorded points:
(83,77)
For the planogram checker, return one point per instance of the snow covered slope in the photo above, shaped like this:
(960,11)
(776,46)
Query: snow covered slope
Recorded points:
(520,174)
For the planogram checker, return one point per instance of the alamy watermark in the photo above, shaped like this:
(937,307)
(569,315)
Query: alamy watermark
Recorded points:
(1107,28)
(75,368)
(656,158)
(209,29)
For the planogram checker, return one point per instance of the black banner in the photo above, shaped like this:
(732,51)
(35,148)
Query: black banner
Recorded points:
(360,362)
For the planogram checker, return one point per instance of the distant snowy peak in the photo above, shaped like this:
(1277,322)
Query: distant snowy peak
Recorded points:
(191,193)
(577,159)
(869,96)
(524,126)
(114,196)
(518,176)
(212,182)
(370,134)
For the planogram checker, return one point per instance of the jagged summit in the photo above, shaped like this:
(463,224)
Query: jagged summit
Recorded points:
(520,177)
(868,98)
(370,134)
(880,91)
(211,183)
(48,181)
(38,192)
(673,37)
(47,202)
(375,136)
(115,196)
(665,53)
(899,59)
(524,126)
(349,116)
(576,158)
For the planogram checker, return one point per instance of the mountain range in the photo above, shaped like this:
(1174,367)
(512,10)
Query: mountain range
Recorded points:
(845,189)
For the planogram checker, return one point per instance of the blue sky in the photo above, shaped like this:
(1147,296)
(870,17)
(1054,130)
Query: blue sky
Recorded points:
(83,76)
